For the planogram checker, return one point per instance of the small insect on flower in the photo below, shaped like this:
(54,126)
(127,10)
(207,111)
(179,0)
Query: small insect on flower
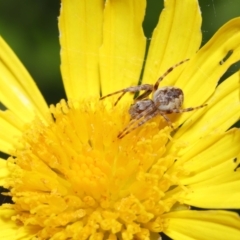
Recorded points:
(165,100)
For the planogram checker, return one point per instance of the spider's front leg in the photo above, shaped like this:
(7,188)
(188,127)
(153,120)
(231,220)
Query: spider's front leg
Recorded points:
(166,119)
(144,87)
(139,117)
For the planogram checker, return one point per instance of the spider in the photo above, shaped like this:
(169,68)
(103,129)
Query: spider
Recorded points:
(165,100)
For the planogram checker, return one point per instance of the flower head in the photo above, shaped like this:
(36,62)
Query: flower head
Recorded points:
(71,177)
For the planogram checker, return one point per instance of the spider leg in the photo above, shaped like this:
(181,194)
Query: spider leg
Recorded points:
(133,89)
(185,109)
(143,117)
(166,73)
(119,98)
(166,119)
(111,94)
(144,95)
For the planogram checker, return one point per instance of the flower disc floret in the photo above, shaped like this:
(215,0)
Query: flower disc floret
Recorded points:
(75,179)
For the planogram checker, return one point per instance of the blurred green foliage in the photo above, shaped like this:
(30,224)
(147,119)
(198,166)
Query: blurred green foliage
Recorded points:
(30,28)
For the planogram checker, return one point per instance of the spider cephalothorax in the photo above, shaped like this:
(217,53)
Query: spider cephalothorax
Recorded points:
(165,100)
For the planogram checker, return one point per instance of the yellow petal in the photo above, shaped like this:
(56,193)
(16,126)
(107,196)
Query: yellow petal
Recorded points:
(176,37)
(10,230)
(3,171)
(222,112)
(80,26)
(202,225)
(206,148)
(11,130)
(122,53)
(219,191)
(213,179)
(18,92)
(5,143)
(204,70)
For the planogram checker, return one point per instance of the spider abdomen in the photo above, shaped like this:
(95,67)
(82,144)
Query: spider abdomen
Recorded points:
(168,98)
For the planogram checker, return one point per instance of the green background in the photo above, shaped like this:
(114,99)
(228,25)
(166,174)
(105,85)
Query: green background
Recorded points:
(30,28)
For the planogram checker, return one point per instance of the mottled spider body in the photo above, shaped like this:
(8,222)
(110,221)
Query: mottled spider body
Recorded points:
(165,100)
(168,98)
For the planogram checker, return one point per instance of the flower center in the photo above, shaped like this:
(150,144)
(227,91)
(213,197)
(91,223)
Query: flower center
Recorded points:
(75,179)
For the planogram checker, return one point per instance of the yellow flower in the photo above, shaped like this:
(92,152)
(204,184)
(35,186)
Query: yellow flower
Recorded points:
(71,177)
